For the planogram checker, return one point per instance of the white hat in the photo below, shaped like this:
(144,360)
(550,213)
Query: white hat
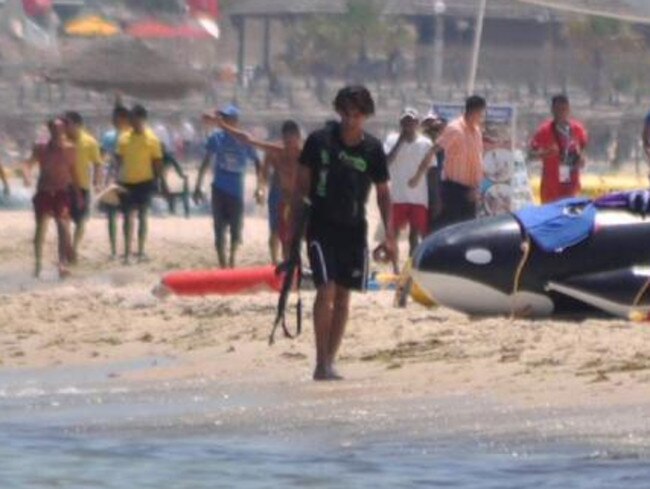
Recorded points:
(431,116)
(410,112)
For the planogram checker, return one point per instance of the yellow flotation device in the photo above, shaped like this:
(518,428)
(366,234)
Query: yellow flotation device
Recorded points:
(594,186)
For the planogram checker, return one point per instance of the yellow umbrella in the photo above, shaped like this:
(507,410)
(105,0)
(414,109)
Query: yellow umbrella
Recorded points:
(91,26)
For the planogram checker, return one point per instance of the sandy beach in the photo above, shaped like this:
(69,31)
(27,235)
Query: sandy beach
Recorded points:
(106,313)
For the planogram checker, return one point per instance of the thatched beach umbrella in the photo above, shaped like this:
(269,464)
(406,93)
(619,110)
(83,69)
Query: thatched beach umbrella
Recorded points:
(91,26)
(128,66)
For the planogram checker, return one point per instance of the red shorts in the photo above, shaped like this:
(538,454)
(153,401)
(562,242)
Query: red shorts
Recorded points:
(413,215)
(55,204)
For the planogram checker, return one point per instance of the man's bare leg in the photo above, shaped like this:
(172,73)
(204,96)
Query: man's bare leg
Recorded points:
(143,230)
(340,316)
(274,247)
(220,243)
(79,231)
(323,314)
(39,240)
(234,246)
(128,235)
(112,231)
(414,240)
(65,246)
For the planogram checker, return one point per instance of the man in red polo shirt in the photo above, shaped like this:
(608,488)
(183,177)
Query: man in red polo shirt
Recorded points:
(560,143)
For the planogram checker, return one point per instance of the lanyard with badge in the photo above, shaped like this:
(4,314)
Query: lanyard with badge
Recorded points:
(569,156)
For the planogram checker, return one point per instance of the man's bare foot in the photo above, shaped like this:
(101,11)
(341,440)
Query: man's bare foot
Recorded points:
(143,258)
(320,373)
(333,374)
(327,374)
(126,260)
(64,272)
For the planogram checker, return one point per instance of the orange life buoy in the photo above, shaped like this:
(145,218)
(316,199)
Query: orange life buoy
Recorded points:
(223,282)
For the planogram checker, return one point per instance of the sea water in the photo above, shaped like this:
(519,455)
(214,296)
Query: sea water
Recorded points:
(69,429)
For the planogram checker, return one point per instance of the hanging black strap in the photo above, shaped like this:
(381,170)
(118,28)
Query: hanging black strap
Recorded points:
(292,270)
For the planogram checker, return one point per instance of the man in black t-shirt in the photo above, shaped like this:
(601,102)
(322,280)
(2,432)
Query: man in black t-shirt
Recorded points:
(337,167)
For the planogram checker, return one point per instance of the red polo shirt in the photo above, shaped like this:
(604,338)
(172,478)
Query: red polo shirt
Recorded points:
(545,138)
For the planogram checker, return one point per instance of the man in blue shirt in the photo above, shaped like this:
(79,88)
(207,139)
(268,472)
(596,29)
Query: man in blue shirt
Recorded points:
(230,158)
(121,124)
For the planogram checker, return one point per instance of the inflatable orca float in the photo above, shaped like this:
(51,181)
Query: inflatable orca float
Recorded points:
(575,256)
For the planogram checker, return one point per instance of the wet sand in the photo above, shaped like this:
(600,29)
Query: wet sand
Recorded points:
(392,358)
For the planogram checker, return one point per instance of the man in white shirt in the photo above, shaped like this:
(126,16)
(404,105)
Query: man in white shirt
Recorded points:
(406,152)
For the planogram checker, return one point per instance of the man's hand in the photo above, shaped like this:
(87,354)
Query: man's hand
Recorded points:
(259,195)
(198,197)
(386,252)
(414,182)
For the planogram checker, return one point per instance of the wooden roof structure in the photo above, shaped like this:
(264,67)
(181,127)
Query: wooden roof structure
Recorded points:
(267,8)
(632,10)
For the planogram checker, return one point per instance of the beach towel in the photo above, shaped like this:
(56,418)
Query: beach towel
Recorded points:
(559,225)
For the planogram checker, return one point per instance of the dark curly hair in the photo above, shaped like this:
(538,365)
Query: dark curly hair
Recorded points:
(355,97)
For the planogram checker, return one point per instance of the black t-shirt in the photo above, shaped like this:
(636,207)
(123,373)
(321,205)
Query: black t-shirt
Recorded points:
(342,176)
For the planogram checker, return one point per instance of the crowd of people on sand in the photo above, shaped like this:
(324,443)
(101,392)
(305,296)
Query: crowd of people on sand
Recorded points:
(427,175)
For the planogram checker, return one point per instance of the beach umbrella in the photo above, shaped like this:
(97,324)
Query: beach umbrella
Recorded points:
(200,8)
(153,29)
(91,26)
(37,8)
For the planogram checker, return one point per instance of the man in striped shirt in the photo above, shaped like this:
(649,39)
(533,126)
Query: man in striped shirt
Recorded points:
(462,142)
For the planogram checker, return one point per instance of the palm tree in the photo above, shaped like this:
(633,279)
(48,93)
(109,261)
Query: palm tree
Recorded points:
(598,40)
(336,43)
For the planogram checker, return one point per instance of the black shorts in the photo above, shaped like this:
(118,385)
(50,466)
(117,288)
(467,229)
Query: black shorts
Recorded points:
(458,204)
(79,210)
(137,195)
(338,254)
(227,211)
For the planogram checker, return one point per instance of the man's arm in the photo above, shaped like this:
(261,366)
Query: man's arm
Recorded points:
(490,143)
(3,177)
(300,200)
(265,171)
(259,186)
(384,202)
(199,180)
(245,137)
(28,166)
(424,166)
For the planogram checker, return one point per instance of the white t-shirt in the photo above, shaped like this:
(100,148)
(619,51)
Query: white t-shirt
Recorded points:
(405,166)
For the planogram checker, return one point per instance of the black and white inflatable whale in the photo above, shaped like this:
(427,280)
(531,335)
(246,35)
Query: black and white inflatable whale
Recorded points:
(503,265)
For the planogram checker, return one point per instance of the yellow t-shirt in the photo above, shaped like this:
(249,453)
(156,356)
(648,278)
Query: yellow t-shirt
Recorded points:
(138,153)
(88,155)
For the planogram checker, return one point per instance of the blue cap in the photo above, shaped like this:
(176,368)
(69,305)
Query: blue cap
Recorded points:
(231,111)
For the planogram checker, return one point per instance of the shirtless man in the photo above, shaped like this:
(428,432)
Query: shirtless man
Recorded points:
(57,176)
(282,158)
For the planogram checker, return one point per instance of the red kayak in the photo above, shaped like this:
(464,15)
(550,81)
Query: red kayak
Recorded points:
(223,282)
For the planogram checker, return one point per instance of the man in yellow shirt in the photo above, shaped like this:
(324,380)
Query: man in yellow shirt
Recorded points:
(88,168)
(139,157)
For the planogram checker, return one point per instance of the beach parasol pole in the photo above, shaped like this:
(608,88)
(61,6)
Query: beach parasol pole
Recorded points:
(476,50)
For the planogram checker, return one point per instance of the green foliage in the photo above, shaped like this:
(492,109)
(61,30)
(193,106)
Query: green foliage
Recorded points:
(339,41)
(156,6)
(615,52)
